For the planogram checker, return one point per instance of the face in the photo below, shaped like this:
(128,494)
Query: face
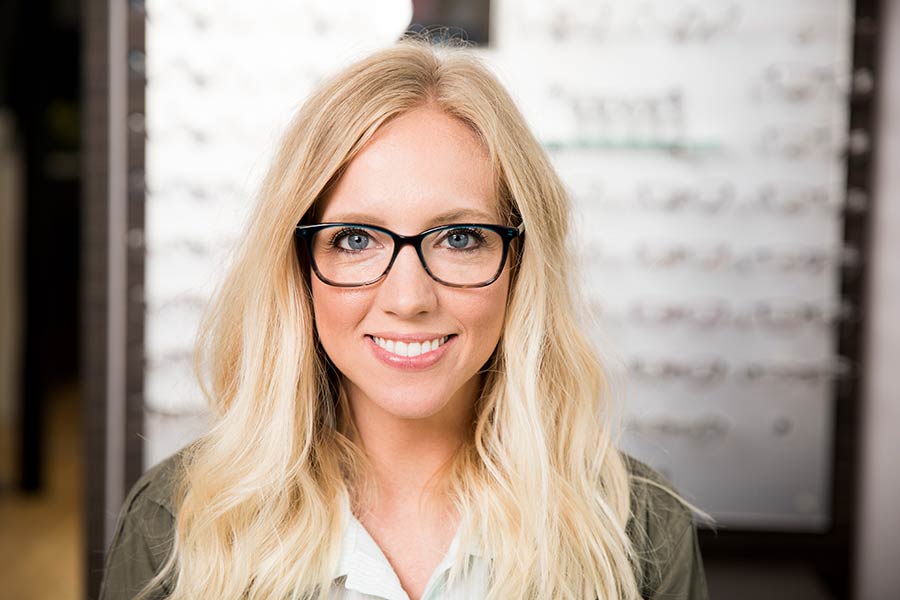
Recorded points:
(420,170)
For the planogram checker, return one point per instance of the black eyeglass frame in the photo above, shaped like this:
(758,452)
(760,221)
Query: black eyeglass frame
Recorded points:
(507,234)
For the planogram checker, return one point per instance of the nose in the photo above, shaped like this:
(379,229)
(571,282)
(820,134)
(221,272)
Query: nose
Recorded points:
(407,290)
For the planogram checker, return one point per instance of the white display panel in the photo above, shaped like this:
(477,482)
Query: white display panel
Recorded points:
(703,144)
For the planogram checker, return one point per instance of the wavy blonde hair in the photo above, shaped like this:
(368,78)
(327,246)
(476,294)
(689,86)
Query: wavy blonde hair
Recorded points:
(544,489)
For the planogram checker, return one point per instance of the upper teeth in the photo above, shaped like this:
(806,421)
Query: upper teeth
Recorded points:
(410,348)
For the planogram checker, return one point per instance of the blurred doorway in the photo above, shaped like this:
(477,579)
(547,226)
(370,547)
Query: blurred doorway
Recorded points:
(41,431)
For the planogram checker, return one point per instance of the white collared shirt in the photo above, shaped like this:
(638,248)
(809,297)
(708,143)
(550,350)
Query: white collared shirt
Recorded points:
(364,573)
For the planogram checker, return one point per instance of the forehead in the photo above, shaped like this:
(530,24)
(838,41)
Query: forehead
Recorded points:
(418,169)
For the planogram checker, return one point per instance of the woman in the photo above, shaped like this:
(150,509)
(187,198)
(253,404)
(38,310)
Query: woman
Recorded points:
(406,404)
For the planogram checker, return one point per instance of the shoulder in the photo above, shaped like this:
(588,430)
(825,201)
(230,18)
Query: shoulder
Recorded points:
(655,509)
(145,532)
(664,537)
(156,487)
(149,507)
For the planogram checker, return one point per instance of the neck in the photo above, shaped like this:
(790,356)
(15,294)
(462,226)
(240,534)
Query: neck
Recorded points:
(407,453)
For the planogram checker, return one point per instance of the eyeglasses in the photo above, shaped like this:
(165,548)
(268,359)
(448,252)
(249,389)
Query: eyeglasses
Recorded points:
(458,255)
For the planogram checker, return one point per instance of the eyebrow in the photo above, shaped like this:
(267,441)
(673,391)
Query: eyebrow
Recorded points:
(454,216)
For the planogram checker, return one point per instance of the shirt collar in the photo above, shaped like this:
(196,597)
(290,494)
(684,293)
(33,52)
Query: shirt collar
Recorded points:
(365,567)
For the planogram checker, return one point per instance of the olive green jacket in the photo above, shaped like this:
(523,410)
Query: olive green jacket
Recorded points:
(661,529)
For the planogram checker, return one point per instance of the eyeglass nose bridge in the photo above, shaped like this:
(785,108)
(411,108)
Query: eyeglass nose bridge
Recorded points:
(408,240)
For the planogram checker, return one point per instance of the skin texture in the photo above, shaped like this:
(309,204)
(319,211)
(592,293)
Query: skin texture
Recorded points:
(421,169)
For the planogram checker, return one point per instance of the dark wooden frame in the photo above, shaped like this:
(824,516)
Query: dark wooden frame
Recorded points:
(832,554)
(112,266)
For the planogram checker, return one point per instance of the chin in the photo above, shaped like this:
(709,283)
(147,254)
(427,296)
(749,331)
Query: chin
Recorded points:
(410,406)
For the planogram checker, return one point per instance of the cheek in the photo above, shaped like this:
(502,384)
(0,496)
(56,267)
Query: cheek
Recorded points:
(336,311)
(483,314)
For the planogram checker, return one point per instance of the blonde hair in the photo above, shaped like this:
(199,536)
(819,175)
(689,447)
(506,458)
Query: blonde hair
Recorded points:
(544,488)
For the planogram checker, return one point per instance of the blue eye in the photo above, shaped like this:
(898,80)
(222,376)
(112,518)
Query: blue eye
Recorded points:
(458,240)
(464,239)
(351,239)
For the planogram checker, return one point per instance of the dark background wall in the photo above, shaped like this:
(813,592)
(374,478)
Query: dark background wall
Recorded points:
(40,45)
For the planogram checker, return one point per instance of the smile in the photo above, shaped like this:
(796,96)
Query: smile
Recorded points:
(410,349)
